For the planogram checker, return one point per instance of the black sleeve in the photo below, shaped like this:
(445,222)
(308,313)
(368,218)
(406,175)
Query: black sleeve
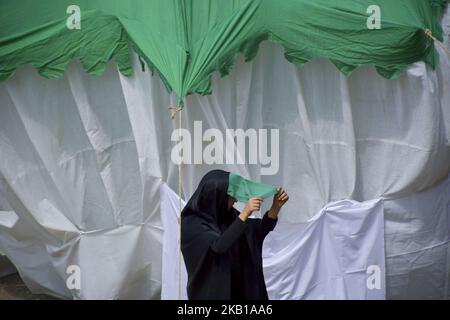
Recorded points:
(267,224)
(234,231)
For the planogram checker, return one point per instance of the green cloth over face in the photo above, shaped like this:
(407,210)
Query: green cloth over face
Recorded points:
(243,189)
(186,41)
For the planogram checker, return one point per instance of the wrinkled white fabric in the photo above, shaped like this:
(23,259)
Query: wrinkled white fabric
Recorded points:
(172,258)
(417,236)
(82,159)
(72,172)
(337,254)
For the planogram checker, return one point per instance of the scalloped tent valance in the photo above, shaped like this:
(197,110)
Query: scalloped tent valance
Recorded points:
(185,41)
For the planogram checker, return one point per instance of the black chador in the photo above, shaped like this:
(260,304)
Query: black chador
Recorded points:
(222,253)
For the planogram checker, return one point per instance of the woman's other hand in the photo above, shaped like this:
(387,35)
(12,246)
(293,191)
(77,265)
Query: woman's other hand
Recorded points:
(252,205)
(279,200)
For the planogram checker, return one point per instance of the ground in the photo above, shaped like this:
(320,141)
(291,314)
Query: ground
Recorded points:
(13,288)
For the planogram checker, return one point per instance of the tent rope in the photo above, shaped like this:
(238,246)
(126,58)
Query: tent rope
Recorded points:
(174,110)
(180,176)
(430,34)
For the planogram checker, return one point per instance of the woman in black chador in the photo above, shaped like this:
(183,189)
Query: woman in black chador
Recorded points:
(222,248)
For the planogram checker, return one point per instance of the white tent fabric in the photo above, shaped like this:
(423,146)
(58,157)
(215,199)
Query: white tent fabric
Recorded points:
(417,237)
(173,286)
(337,254)
(82,160)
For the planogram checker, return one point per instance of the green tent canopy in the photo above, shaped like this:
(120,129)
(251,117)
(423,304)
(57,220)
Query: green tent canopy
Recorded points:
(185,41)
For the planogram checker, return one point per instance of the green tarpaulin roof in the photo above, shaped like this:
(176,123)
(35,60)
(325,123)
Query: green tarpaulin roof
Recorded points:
(185,41)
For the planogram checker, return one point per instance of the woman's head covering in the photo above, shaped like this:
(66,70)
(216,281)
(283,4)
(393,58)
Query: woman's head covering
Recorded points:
(203,219)
(210,200)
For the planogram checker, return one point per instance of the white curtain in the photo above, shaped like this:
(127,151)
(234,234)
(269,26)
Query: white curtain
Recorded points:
(417,239)
(82,160)
(338,254)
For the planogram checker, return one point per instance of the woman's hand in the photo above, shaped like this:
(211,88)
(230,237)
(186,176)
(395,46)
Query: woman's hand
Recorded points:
(278,201)
(252,205)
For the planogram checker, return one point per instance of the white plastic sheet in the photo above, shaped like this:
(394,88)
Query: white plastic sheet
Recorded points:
(417,236)
(173,282)
(71,171)
(337,254)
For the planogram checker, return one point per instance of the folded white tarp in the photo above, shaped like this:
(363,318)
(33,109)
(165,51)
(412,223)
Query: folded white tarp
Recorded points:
(348,250)
(417,236)
(337,254)
(173,268)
